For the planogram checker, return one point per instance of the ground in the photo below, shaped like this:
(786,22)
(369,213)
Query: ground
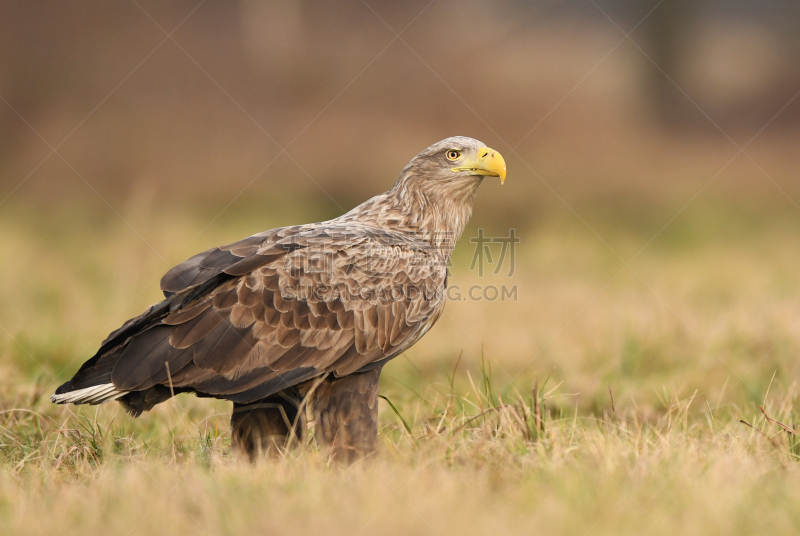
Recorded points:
(692,333)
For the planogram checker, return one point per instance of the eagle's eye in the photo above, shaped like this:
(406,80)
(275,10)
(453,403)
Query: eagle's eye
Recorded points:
(452,154)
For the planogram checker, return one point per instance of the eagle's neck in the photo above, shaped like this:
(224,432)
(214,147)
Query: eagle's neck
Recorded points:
(435,213)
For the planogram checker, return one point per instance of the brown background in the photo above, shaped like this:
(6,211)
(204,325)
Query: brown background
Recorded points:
(580,112)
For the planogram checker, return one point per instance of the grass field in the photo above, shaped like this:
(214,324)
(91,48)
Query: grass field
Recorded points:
(692,327)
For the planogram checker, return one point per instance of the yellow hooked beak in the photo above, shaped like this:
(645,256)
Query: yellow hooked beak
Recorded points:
(488,162)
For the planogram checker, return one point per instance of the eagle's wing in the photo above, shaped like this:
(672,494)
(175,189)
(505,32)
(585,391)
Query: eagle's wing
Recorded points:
(277,311)
(212,262)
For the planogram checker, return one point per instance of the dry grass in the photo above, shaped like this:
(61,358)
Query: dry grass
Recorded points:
(692,322)
(692,337)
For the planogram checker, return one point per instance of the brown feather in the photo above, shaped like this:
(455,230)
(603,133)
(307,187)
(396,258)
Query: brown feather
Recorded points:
(192,331)
(184,315)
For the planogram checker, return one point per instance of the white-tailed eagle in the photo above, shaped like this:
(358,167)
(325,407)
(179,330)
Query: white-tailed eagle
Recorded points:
(303,311)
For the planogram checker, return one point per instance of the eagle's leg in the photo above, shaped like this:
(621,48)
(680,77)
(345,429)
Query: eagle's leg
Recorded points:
(346,415)
(268,425)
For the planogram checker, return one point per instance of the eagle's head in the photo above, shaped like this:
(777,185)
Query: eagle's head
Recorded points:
(438,187)
(456,161)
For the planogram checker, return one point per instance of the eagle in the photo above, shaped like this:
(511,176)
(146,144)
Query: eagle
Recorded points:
(300,318)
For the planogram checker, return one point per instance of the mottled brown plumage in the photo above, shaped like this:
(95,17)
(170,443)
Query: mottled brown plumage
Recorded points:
(288,308)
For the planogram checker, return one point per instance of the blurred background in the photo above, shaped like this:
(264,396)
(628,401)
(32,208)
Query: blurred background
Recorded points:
(652,147)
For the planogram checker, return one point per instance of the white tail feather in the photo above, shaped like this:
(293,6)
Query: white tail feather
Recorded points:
(97,394)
